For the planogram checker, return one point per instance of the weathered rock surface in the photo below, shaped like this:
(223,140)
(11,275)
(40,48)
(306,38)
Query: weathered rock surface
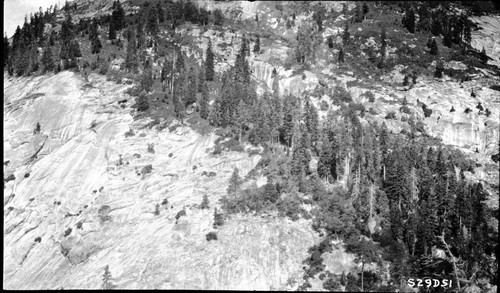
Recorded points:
(76,172)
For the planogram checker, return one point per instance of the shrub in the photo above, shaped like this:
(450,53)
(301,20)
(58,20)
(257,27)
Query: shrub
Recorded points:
(370,96)
(79,225)
(38,239)
(405,109)
(372,111)
(467,111)
(170,155)
(452,109)
(157,210)
(26,175)
(67,232)
(391,115)
(146,169)
(37,128)
(211,236)
(218,219)
(427,111)
(103,213)
(151,148)
(179,215)
(129,133)
(204,202)
(324,106)
(331,285)
(341,94)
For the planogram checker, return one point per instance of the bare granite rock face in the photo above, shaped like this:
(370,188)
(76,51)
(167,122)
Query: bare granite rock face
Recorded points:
(56,236)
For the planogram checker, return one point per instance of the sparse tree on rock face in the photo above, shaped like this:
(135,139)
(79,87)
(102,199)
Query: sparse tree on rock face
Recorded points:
(106,277)
(483,56)
(234,183)
(256,48)
(47,58)
(204,202)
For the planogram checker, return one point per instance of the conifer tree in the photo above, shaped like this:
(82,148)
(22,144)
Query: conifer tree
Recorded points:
(152,27)
(301,157)
(346,35)
(204,202)
(106,277)
(131,62)
(434,48)
(6,50)
(201,78)
(204,106)
(234,183)
(483,56)
(147,76)
(341,56)
(438,73)
(161,13)
(47,58)
(256,47)
(409,20)
(311,121)
(209,62)
(270,192)
(112,31)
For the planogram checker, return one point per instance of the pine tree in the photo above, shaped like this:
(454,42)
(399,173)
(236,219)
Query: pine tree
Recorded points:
(438,73)
(341,56)
(234,183)
(358,17)
(301,157)
(327,164)
(201,78)
(311,120)
(434,48)
(204,106)
(6,48)
(112,31)
(161,13)
(270,193)
(209,62)
(47,58)
(409,20)
(346,35)
(106,277)
(147,77)
(131,62)
(152,27)
(256,47)
(484,58)
(366,9)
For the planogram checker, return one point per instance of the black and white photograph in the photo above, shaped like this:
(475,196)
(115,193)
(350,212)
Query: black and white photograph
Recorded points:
(344,146)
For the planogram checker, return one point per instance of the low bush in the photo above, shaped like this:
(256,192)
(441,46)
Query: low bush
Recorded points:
(370,96)
(211,236)
(405,109)
(179,215)
(67,232)
(151,148)
(391,115)
(103,213)
(324,106)
(146,169)
(129,133)
(427,111)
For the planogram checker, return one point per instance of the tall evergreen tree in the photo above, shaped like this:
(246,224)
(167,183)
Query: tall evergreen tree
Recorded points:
(204,103)
(434,48)
(47,58)
(346,35)
(256,47)
(147,76)
(234,183)
(152,26)
(131,62)
(209,62)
